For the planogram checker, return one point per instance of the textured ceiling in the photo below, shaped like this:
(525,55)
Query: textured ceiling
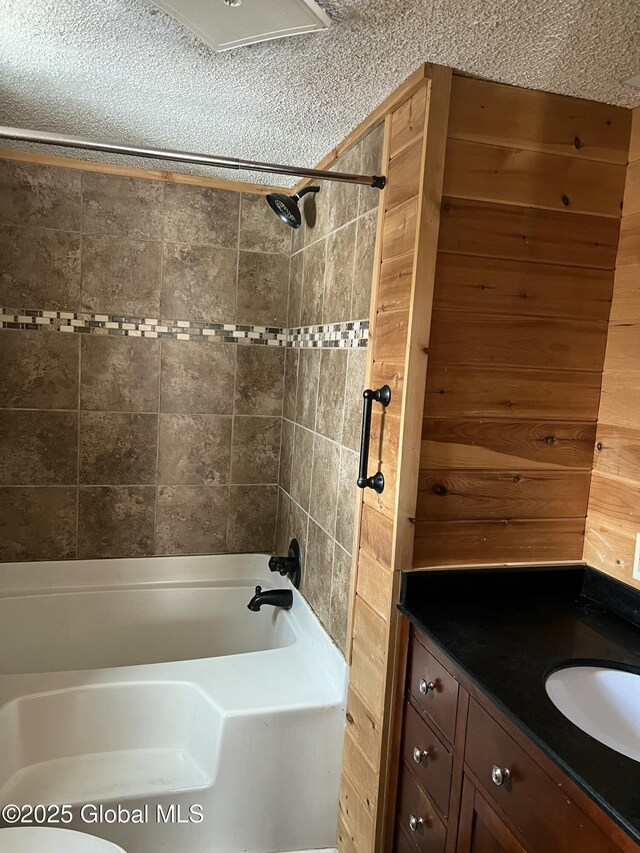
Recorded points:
(121,70)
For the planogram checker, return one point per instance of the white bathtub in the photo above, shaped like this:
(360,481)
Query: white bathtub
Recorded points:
(142,685)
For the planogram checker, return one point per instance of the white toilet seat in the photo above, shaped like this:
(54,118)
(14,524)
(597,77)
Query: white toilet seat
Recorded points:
(45,840)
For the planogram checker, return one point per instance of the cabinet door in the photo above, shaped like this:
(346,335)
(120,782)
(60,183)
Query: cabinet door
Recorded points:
(481,830)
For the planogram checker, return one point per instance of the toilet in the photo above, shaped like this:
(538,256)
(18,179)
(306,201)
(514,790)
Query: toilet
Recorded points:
(46,840)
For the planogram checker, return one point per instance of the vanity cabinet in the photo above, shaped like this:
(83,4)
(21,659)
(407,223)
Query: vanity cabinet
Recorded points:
(470,781)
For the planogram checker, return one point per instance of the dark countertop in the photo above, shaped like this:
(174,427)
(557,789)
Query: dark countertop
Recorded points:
(508,629)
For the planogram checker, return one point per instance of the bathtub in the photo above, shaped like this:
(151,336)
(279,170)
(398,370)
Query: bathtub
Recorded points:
(146,697)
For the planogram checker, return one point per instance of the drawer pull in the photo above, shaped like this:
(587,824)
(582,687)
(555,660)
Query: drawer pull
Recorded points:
(499,774)
(419,754)
(415,822)
(426,686)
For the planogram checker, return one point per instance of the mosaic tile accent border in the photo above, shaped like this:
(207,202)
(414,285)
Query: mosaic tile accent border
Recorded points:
(348,334)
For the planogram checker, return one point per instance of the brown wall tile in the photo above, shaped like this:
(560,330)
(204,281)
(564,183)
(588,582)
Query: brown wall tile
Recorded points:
(118,449)
(121,276)
(302,466)
(343,198)
(356,366)
(201,215)
(121,207)
(347,496)
(255,454)
(316,579)
(39,269)
(363,273)
(252,519)
(194,449)
(260,228)
(294,310)
(307,394)
(286,455)
(339,604)
(120,374)
(371,164)
(290,383)
(38,523)
(259,380)
(39,370)
(42,196)
(38,448)
(192,519)
(338,278)
(292,524)
(199,283)
(116,521)
(313,284)
(331,389)
(197,377)
(263,286)
(324,483)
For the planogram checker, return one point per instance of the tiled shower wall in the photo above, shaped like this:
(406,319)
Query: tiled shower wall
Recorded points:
(331,272)
(128,440)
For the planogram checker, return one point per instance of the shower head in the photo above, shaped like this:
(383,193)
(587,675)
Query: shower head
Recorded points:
(286,206)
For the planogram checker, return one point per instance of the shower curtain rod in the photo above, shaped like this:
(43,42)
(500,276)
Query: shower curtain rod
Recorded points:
(46,138)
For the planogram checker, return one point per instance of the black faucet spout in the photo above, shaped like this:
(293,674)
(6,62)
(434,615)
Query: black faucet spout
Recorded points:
(275,597)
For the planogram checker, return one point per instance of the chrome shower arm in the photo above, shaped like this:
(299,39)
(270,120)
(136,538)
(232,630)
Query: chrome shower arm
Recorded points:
(46,138)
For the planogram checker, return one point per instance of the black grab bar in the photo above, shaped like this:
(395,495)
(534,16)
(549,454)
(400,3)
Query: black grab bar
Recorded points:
(376,481)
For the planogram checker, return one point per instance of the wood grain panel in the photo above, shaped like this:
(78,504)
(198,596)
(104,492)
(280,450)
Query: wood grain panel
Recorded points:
(632,189)
(374,585)
(371,630)
(472,495)
(616,500)
(482,111)
(634,144)
(515,176)
(395,283)
(390,339)
(492,285)
(399,230)
(620,399)
(527,234)
(539,342)
(376,533)
(346,841)
(625,308)
(407,122)
(622,348)
(485,392)
(528,444)
(363,726)
(629,246)
(610,547)
(385,437)
(367,677)
(356,765)
(392,374)
(618,451)
(404,174)
(384,503)
(494,542)
(357,824)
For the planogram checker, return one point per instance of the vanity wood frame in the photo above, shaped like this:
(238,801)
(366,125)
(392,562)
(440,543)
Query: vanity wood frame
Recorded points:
(535,808)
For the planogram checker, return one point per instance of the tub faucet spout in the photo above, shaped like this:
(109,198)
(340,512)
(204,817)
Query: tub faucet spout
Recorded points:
(275,597)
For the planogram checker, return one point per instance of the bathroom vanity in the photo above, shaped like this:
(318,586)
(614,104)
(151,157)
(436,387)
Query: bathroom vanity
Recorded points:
(487,762)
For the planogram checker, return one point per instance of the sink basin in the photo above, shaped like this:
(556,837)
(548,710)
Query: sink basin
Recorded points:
(603,702)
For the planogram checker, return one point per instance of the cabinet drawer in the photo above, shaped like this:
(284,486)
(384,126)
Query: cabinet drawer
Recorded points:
(402,843)
(546,818)
(433,689)
(433,770)
(414,810)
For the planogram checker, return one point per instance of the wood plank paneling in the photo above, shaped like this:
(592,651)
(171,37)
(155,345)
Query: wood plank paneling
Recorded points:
(620,399)
(376,532)
(407,122)
(374,585)
(623,341)
(384,503)
(485,392)
(629,247)
(537,342)
(528,234)
(465,543)
(395,280)
(363,726)
(515,176)
(399,230)
(528,444)
(618,452)
(390,337)
(356,822)
(356,765)
(471,495)
(402,175)
(616,500)
(632,189)
(626,306)
(492,285)
(634,143)
(385,437)
(610,547)
(539,121)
